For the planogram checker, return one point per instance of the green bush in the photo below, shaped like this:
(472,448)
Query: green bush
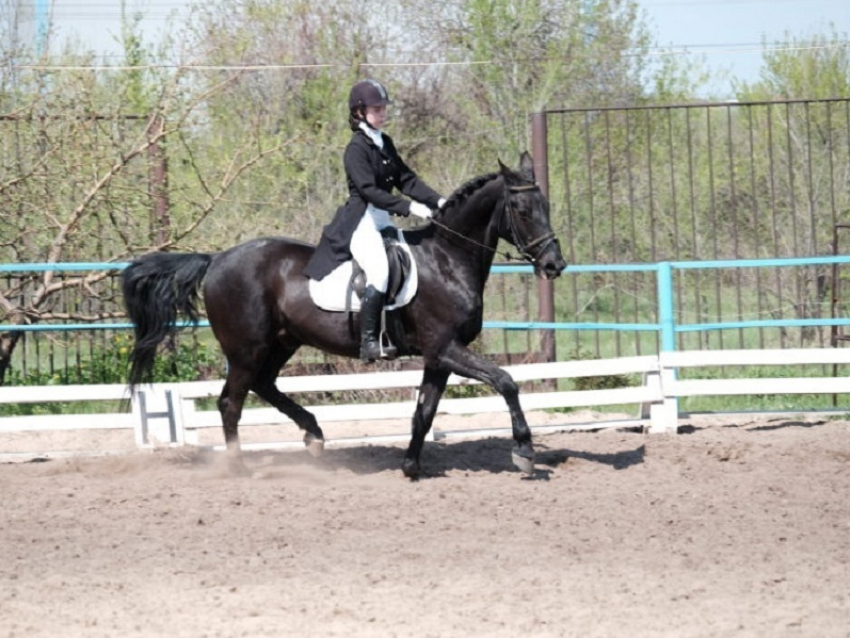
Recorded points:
(601,382)
(185,360)
(467,391)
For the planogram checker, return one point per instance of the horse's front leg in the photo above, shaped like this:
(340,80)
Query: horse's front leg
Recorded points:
(460,360)
(430,391)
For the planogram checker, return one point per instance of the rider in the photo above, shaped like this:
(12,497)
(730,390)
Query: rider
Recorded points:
(373,168)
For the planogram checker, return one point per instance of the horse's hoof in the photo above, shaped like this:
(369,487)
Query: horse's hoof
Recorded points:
(238,468)
(410,469)
(524,463)
(315,445)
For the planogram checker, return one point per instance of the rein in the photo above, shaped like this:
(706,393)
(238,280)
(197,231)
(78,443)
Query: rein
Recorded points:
(507,256)
(522,248)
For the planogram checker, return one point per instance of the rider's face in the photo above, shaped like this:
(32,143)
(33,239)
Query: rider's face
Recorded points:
(376,116)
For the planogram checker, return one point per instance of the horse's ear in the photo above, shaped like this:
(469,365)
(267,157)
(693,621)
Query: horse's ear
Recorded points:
(510,175)
(526,166)
(526,170)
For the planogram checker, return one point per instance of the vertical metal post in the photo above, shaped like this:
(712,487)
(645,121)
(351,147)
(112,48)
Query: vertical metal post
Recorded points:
(158,167)
(545,288)
(836,335)
(666,311)
(664,416)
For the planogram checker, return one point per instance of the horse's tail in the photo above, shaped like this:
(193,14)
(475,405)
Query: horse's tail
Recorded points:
(157,287)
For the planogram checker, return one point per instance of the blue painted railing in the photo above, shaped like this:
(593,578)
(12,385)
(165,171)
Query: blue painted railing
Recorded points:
(666,326)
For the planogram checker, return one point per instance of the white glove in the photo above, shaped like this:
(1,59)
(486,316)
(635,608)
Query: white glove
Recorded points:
(420,210)
(441,203)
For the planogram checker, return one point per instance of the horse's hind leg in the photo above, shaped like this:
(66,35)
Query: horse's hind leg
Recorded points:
(430,391)
(314,439)
(264,387)
(230,403)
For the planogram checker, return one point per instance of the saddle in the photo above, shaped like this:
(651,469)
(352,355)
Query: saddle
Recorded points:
(342,289)
(399,263)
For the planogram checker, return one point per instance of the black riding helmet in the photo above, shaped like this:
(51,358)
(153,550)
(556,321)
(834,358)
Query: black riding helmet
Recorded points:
(368,93)
(365,93)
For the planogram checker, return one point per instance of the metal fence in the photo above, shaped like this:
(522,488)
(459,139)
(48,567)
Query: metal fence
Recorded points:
(635,185)
(77,347)
(83,336)
(698,182)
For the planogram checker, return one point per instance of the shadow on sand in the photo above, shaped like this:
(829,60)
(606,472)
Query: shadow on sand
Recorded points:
(439,459)
(771,425)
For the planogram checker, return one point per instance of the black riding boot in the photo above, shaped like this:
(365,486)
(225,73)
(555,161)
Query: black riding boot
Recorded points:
(371,304)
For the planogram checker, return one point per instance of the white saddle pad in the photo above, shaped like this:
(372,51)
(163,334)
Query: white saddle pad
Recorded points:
(330,292)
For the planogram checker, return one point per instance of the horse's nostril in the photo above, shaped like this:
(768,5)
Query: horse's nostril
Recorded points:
(555,269)
(550,270)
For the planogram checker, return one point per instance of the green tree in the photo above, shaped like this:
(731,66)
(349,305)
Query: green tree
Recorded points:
(297,61)
(517,57)
(81,150)
(805,67)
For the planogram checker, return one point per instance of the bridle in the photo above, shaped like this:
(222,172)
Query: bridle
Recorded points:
(524,248)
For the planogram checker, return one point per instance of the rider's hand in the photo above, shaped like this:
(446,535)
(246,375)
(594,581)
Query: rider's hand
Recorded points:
(420,210)
(441,203)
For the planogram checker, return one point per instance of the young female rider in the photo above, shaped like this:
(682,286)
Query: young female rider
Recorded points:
(373,168)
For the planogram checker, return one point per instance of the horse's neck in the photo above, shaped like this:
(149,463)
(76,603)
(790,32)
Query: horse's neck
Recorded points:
(471,233)
(477,218)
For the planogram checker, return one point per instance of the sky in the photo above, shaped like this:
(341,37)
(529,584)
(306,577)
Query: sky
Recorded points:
(726,35)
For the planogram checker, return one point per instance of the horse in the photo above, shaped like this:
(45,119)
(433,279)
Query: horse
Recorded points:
(259,307)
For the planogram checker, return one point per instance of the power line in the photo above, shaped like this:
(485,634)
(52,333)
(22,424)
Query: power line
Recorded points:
(436,63)
(746,45)
(752,49)
(705,3)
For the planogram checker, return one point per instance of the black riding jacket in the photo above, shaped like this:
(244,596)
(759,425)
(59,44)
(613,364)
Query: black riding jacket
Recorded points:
(372,175)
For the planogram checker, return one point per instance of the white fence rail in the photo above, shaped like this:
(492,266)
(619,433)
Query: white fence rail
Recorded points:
(169,414)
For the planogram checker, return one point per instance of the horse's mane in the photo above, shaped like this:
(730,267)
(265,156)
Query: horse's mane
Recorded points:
(464,191)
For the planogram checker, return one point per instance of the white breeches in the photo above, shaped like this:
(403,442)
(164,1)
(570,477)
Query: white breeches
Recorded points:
(367,247)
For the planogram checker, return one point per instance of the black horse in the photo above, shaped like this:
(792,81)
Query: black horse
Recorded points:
(260,310)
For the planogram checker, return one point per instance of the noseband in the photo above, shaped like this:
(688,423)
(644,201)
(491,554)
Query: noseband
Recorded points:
(525,248)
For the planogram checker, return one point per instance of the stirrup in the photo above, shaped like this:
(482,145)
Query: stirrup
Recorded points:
(381,348)
(373,350)
(388,350)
